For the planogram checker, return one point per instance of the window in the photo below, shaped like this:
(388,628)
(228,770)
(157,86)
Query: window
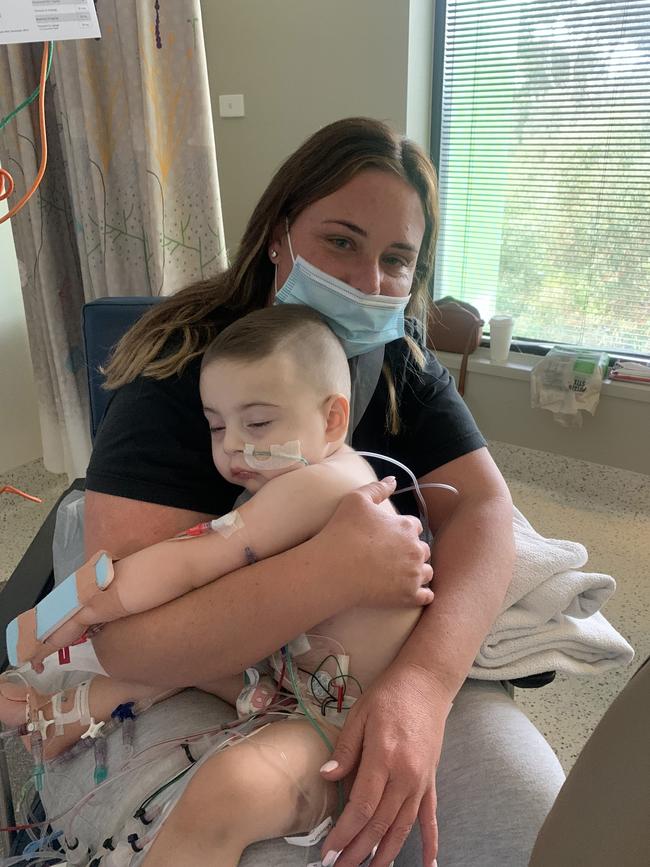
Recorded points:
(544,163)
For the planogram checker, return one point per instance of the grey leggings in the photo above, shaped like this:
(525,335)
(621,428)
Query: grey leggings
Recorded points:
(497,781)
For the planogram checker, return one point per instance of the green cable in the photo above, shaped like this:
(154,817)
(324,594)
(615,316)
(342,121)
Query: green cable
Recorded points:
(30,99)
(23,797)
(312,719)
(303,706)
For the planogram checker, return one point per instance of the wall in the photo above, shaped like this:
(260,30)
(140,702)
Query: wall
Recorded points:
(300,65)
(420,71)
(499,398)
(20,438)
(303,63)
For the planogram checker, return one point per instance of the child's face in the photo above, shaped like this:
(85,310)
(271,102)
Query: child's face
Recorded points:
(260,402)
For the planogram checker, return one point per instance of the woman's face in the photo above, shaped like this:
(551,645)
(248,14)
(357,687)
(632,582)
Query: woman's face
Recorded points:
(368,234)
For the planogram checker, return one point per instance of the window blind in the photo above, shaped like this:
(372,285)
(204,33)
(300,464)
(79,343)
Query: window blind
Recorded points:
(545,167)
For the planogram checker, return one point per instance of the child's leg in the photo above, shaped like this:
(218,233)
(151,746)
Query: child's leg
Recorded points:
(105,694)
(267,786)
(225,688)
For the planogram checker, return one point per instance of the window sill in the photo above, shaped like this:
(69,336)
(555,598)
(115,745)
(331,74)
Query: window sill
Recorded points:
(519,366)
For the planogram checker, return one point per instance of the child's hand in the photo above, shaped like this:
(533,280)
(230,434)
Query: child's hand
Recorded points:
(64,636)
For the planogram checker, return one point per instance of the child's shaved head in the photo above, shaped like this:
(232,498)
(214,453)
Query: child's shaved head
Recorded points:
(291,328)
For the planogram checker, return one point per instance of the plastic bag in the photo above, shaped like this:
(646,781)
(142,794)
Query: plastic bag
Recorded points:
(566,381)
(68,552)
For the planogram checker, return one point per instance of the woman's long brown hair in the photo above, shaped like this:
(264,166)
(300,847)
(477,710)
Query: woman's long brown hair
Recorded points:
(181,327)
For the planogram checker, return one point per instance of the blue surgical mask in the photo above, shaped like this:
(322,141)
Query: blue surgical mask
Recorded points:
(361,322)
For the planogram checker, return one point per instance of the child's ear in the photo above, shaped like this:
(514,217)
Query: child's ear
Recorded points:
(337,417)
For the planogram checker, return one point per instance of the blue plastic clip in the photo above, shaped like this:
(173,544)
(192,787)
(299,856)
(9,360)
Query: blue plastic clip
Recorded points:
(124,711)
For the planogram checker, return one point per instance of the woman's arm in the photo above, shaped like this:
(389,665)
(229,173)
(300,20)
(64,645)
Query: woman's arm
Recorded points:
(473,556)
(122,526)
(224,627)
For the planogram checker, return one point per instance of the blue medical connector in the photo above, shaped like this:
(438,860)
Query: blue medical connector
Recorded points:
(124,714)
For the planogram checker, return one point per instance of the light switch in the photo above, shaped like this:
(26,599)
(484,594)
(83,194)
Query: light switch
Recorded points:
(231,105)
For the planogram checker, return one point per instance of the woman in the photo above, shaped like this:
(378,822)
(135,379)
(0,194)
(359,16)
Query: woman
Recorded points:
(357,202)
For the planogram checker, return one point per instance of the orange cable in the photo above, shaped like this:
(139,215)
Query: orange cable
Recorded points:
(4,174)
(9,489)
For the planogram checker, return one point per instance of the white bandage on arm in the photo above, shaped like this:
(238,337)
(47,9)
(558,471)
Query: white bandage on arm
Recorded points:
(80,711)
(227,524)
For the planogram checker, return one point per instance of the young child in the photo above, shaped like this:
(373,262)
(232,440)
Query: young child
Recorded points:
(275,388)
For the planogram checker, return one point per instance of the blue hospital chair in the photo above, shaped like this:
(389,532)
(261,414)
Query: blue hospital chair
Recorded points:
(104,321)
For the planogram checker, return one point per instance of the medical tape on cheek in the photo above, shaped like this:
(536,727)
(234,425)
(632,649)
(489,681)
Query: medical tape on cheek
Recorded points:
(276,457)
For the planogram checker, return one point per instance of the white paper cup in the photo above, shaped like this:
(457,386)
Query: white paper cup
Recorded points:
(500,337)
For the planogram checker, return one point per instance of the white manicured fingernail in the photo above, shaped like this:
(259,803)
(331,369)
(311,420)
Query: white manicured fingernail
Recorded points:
(331,856)
(327,767)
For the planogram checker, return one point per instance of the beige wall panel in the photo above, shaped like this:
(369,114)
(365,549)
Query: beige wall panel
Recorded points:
(300,64)
(618,434)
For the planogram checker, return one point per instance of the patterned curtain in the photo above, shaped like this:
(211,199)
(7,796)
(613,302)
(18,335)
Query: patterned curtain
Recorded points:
(130,200)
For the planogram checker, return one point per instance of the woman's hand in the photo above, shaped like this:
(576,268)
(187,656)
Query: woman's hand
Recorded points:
(392,739)
(376,552)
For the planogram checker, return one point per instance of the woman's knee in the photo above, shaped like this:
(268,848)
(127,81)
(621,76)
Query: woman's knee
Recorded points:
(497,780)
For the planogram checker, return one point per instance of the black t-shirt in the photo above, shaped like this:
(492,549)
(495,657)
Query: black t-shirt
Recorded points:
(154,442)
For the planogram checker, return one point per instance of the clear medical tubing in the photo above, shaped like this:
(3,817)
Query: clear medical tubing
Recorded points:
(424,515)
(50,856)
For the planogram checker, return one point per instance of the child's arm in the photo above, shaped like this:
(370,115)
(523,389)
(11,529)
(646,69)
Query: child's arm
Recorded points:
(288,510)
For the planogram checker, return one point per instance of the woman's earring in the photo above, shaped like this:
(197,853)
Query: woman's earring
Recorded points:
(274,254)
